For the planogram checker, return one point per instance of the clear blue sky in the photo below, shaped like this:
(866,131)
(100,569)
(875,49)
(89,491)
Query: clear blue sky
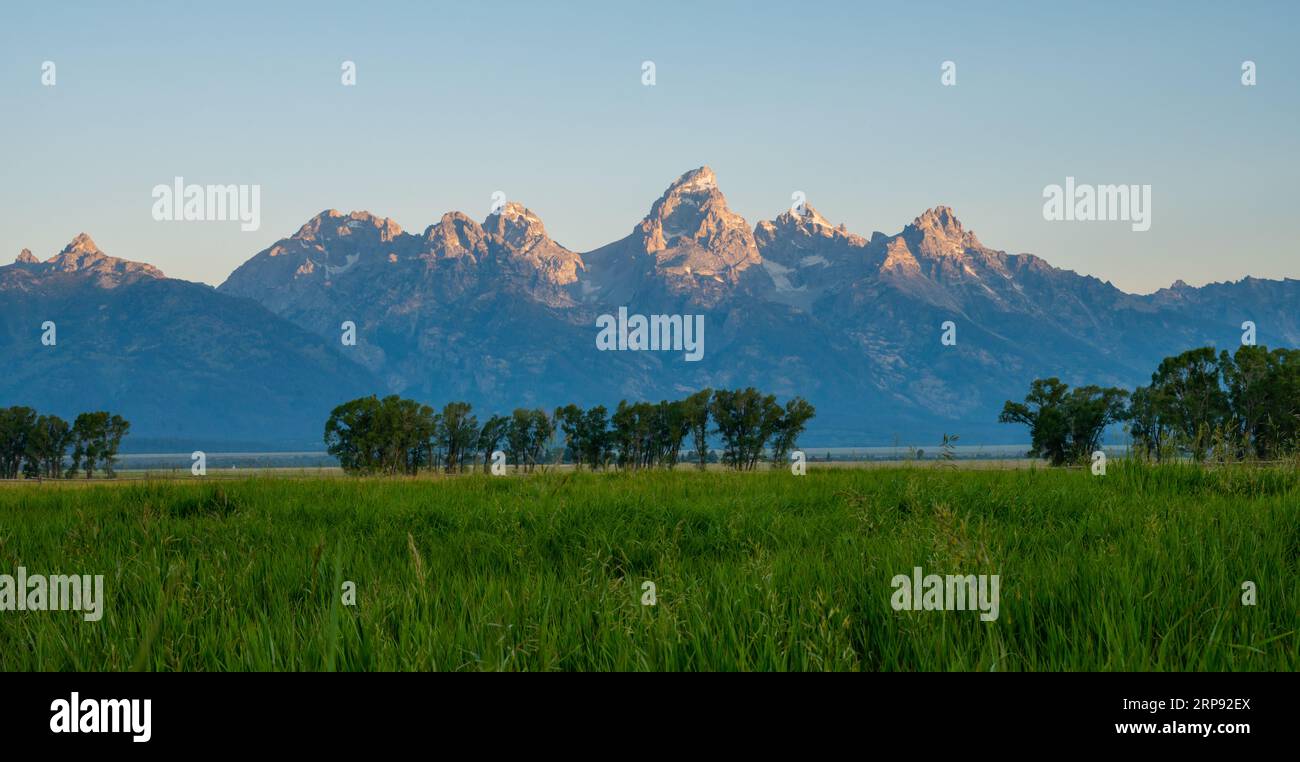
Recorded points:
(544,101)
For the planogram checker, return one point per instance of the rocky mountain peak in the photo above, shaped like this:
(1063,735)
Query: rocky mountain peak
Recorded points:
(807,215)
(516,225)
(692,208)
(801,237)
(938,233)
(699,180)
(941,218)
(691,231)
(82,255)
(513,210)
(82,244)
(454,236)
(530,260)
(331,224)
(805,255)
(804,220)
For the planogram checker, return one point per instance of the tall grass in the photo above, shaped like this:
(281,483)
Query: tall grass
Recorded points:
(1138,570)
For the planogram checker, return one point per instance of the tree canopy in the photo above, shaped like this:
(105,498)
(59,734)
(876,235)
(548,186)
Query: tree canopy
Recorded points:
(1240,405)
(36,445)
(397,436)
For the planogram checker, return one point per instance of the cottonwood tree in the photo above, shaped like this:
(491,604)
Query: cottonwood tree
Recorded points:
(491,436)
(392,435)
(16,425)
(1263,393)
(1066,426)
(627,428)
(595,436)
(695,409)
(671,428)
(794,419)
(47,446)
(1090,410)
(1191,401)
(585,433)
(96,438)
(527,436)
(540,433)
(647,435)
(1149,429)
(518,436)
(745,419)
(458,433)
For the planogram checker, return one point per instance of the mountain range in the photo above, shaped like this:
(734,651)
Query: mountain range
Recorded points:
(500,314)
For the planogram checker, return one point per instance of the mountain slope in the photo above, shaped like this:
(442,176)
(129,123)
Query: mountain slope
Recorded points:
(500,314)
(690,249)
(189,367)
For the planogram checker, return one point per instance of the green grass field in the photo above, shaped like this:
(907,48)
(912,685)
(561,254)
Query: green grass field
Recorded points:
(1141,569)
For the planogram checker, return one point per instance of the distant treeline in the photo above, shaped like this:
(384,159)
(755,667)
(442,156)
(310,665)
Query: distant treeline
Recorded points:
(400,436)
(1198,405)
(36,445)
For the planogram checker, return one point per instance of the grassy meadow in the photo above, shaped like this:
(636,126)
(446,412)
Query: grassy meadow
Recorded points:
(1141,569)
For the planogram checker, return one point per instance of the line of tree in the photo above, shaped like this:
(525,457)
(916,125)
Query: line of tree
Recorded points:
(1199,404)
(37,445)
(399,436)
